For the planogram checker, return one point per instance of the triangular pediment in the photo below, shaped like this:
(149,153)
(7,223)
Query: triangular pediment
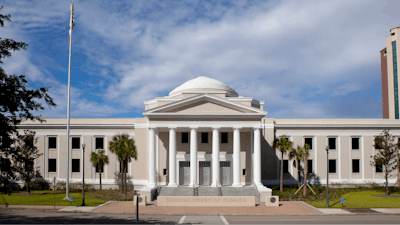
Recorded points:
(204,104)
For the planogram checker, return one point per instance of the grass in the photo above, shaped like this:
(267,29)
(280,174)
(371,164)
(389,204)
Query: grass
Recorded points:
(363,199)
(47,198)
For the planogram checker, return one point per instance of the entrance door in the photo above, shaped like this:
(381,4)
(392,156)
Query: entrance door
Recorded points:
(225,173)
(184,173)
(205,173)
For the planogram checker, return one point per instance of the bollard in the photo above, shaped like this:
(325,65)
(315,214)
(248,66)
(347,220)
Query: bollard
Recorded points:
(54,187)
(137,208)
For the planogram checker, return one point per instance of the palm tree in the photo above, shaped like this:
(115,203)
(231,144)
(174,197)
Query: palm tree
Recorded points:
(305,157)
(99,159)
(125,149)
(296,154)
(283,145)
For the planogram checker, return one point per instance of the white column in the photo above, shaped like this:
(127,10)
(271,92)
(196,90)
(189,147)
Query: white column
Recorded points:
(193,157)
(152,159)
(236,158)
(257,157)
(215,157)
(172,157)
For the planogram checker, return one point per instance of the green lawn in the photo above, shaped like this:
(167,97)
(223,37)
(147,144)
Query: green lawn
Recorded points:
(361,200)
(47,198)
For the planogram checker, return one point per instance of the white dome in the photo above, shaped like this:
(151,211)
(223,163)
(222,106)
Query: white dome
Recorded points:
(203,84)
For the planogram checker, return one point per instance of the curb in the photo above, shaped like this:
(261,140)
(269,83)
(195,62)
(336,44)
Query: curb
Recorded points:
(311,207)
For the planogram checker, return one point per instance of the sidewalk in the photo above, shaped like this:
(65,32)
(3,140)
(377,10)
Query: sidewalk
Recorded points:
(286,208)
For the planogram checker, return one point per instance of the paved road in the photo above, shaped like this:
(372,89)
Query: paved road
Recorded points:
(95,218)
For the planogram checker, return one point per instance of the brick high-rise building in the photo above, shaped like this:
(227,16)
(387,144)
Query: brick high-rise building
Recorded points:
(390,77)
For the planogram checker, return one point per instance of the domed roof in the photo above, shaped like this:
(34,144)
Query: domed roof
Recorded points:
(203,84)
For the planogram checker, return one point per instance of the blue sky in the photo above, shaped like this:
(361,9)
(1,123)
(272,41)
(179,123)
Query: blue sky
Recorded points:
(305,59)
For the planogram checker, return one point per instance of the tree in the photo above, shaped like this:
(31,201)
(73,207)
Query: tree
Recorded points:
(17,103)
(296,154)
(386,155)
(99,159)
(125,149)
(24,162)
(304,158)
(283,145)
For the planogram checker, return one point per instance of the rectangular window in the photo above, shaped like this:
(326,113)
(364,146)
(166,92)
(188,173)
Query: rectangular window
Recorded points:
(244,172)
(378,168)
(355,143)
(332,143)
(76,143)
(52,165)
(126,166)
(309,142)
(99,143)
(102,169)
(310,166)
(332,166)
(285,166)
(52,142)
(165,172)
(356,165)
(204,138)
(396,85)
(185,137)
(224,138)
(76,165)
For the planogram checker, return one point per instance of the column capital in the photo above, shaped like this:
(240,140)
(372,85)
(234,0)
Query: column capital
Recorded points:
(236,128)
(216,128)
(172,128)
(257,127)
(194,128)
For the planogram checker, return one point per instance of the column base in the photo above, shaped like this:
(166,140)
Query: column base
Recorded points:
(172,185)
(237,185)
(193,185)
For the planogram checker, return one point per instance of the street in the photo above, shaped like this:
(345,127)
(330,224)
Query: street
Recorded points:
(97,218)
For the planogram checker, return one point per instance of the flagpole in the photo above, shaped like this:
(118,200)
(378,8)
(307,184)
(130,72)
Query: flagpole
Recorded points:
(68,104)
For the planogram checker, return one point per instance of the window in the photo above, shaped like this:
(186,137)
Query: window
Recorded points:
(244,172)
(204,138)
(52,165)
(76,165)
(99,143)
(355,143)
(165,171)
(185,137)
(102,169)
(310,166)
(52,142)
(126,167)
(332,166)
(393,34)
(224,138)
(285,166)
(378,168)
(332,143)
(396,85)
(76,143)
(309,142)
(356,165)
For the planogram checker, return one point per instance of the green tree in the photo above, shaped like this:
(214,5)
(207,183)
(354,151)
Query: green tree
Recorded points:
(283,145)
(296,154)
(17,102)
(24,162)
(99,159)
(304,158)
(125,149)
(386,156)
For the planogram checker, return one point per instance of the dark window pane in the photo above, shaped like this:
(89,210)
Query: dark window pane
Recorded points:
(99,143)
(244,172)
(355,143)
(165,171)
(332,143)
(356,165)
(76,143)
(285,166)
(76,165)
(52,142)
(52,165)
(224,138)
(102,169)
(204,138)
(332,166)
(185,137)
(378,168)
(308,141)
(310,166)
(126,167)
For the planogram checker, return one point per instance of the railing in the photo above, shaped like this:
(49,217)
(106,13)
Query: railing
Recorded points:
(196,189)
(219,188)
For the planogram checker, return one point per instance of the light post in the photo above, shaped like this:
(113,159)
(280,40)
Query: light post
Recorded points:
(83,174)
(327,175)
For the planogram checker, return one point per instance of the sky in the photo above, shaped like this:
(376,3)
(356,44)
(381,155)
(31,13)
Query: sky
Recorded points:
(305,59)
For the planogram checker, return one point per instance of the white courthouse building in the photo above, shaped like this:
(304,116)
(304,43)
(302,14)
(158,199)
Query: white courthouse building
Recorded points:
(204,133)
